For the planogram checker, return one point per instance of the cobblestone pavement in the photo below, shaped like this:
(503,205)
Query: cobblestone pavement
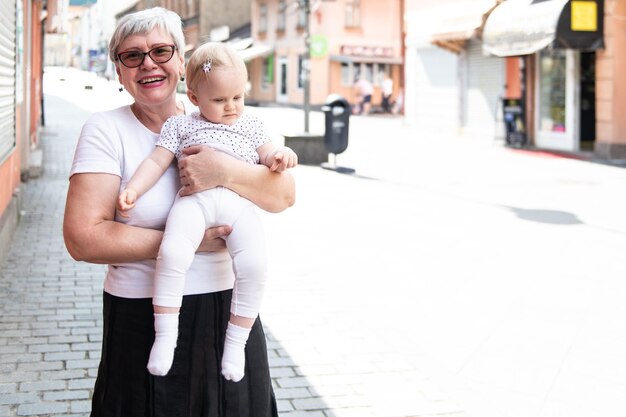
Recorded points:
(446,278)
(50,316)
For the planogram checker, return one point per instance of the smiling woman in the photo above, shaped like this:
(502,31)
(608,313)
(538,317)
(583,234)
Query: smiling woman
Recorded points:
(145,48)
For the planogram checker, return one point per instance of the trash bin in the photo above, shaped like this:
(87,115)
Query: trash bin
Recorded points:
(337,113)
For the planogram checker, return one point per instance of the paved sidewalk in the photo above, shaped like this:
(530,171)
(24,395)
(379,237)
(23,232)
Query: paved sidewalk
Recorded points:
(50,313)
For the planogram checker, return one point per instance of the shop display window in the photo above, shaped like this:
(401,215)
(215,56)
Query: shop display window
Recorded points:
(552,91)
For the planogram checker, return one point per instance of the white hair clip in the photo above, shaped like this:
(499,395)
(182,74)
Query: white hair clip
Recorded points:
(207,66)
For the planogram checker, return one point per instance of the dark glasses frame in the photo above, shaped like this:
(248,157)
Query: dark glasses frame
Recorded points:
(122,56)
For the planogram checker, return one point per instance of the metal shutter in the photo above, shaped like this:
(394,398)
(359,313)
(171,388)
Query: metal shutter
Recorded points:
(7,77)
(436,91)
(484,89)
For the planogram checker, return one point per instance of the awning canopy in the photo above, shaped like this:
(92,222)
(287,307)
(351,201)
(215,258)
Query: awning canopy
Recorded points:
(462,21)
(257,50)
(522,27)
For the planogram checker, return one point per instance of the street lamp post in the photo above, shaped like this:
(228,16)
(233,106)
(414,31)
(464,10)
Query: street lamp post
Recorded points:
(306,63)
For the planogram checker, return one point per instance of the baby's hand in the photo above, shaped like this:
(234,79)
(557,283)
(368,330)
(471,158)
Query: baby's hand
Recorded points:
(126,201)
(283,158)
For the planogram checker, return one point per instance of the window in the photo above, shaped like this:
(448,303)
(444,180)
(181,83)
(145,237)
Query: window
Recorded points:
(301,17)
(368,72)
(353,14)
(263,18)
(282,15)
(346,74)
(552,80)
(374,73)
(381,72)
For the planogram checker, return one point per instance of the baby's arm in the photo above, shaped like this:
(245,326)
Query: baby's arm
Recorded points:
(277,159)
(146,175)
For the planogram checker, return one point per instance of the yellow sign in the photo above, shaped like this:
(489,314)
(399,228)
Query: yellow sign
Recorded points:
(584,16)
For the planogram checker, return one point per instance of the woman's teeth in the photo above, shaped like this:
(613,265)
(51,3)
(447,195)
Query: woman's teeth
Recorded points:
(150,80)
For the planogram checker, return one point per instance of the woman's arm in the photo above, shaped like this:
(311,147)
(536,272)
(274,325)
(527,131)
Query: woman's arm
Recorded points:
(92,235)
(89,229)
(206,168)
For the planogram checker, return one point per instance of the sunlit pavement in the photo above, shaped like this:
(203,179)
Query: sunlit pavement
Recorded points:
(447,277)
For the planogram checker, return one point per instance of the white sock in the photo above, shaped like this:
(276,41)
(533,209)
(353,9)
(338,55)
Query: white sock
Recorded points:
(162,353)
(234,359)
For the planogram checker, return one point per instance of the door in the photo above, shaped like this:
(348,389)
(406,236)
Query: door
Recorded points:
(281,78)
(558,100)
(587,100)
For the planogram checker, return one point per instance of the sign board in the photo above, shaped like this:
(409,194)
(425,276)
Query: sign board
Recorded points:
(319,46)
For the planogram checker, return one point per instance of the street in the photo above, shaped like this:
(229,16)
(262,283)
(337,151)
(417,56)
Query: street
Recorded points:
(446,277)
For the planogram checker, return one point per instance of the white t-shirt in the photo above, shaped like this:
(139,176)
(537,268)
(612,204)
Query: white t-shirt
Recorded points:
(239,140)
(115,142)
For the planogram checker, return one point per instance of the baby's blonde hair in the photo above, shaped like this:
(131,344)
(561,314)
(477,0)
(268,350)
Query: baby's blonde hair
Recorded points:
(216,56)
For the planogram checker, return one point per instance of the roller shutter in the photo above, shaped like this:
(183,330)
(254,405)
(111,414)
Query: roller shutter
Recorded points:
(485,86)
(436,91)
(7,77)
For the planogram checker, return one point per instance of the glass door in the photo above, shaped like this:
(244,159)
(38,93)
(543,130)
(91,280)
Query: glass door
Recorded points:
(557,102)
(281,78)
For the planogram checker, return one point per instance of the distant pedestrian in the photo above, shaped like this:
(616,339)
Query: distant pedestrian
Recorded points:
(387,91)
(363,89)
(147,48)
(216,83)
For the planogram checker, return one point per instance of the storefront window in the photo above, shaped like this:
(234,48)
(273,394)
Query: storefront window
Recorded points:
(552,91)
(382,72)
(346,74)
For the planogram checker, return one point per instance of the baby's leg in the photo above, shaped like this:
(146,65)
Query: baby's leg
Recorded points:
(183,233)
(246,244)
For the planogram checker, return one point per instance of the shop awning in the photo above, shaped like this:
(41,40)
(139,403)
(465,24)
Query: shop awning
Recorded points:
(522,27)
(257,50)
(463,21)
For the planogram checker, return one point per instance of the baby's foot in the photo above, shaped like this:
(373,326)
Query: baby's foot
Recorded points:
(162,353)
(234,358)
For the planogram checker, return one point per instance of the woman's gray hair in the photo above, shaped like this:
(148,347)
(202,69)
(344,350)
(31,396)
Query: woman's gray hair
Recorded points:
(144,22)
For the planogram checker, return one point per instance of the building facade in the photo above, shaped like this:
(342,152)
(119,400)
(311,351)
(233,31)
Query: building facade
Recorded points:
(557,46)
(546,70)
(203,20)
(347,38)
(452,87)
(21,113)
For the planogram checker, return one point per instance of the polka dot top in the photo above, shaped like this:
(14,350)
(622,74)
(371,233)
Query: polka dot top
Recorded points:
(239,140)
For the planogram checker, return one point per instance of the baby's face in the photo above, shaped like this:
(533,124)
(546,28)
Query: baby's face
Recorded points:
(221,96)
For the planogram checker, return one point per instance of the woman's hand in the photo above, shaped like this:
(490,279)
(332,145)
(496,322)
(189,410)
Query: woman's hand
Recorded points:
(213,239)
(204,168)
(201,169)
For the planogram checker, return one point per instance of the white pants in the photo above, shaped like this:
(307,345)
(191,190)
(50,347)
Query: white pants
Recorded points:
(189,217)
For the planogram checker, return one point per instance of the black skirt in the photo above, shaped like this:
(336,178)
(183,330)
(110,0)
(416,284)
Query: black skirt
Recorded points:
(194,387)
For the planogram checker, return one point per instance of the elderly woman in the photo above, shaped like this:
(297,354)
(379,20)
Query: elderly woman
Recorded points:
(147,48)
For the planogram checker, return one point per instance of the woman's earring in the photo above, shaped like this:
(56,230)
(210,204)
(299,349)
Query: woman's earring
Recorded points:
(121,89)
(182,78)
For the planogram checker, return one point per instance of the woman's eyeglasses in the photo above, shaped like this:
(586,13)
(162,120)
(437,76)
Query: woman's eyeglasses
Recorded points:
(160,55)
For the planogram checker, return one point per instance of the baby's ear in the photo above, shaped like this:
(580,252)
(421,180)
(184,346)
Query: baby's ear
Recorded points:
(192,97)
